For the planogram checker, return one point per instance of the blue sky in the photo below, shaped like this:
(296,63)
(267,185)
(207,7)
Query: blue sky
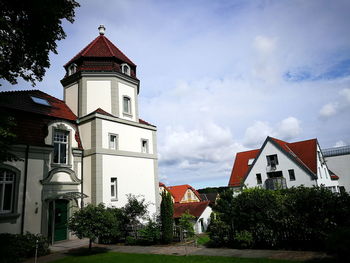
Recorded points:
(217,77)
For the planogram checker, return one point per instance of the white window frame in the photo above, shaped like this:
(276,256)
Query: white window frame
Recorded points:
(3,182)
(72,69)
(144,148)
(58,142)
(125,69)
(110,143)
(127,100)
(114,184)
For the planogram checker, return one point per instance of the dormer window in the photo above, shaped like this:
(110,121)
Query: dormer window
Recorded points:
(125,69)
(60,143)
(72,69)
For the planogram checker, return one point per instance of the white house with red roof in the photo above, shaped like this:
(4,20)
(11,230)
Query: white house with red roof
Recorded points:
(187,199)
(279,164)
(92,147)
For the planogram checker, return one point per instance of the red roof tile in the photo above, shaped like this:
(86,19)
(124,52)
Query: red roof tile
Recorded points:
(304,153)
(178,192)
(195,209)
(240,167)
(101,47)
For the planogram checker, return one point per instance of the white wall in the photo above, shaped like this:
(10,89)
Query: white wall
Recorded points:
(284,164)
(323,177)
(129,137)
(126,90)
(340,165)
(85,135)
(87,178)
(206,221)
(98,95)
(71,97)
(134,176)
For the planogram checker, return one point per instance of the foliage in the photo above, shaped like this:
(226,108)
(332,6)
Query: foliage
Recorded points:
(92,222)
(186,224)
(203,239)
(7,137)
(338,243)
(130,241)
(166,217)
(15,247)
(295,218)
(135,210)
(150,234)
(218,233)
(118,227)
(243,239)
(208,190)
(28,32)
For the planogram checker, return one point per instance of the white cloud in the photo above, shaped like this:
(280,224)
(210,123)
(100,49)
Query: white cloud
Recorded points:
(287,129)
(345,93)
(329,110)
(339,144)
(265,45)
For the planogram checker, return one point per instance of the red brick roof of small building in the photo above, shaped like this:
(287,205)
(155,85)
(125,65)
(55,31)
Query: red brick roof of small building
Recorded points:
(101,47)
(178,192)
(196,209)
(303,152)
(32,118)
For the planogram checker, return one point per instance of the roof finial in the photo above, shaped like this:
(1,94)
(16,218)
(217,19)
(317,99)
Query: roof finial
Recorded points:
(101,29)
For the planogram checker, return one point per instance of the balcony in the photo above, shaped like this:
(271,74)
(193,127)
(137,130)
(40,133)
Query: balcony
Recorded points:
(275,183)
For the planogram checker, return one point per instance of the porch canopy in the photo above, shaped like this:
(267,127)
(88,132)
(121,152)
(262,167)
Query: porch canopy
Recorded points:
(67,196)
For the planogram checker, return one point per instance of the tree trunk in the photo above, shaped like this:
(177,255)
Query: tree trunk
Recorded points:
(90,244)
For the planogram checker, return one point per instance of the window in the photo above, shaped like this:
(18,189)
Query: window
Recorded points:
(291,175)
(7,188)
(189,195)
(144,146)
(40,101)
(72,69)
(258,179)
(125,69)
(250,161)
(272,160)
(60,142)
(126,105)
(113,141)
(114,192)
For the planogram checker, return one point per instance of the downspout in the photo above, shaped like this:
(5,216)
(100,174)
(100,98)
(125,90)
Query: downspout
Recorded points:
(24,188)
(82,181)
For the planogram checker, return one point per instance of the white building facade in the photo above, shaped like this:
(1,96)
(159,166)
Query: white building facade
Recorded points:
(91,148)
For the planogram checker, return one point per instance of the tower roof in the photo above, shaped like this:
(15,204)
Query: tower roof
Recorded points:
(101,47)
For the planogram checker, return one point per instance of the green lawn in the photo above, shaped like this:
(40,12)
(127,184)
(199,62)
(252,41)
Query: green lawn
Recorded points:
(112,257)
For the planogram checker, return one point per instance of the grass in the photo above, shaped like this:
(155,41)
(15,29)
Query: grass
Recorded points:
(113,257)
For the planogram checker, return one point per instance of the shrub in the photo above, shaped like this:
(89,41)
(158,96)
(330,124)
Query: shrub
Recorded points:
(186,224)
(243,239)
(338,243)
(130,241)
(166,217)
(14,248)
(150,234)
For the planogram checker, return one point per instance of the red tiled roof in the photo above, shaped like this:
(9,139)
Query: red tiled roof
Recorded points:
(101,47)
(32,118)
(303,152)
(196,209)
(145,123)
(240,167)
(21,100)
(178,192)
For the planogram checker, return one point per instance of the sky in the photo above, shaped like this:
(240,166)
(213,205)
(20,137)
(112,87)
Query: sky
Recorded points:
(218,77)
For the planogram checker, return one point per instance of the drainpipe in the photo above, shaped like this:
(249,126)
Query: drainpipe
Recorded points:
(82,181)
(24,188)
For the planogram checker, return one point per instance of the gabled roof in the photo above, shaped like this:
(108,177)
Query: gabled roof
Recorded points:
(101,47)
(31,118)
(240,167)
(303,153)
(178,191)
(196,209)
(22,100)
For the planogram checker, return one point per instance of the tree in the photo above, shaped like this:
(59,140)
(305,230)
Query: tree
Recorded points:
(7,138)
(28,32)
(166,217)
(135,210)
(186,223)
(92,222)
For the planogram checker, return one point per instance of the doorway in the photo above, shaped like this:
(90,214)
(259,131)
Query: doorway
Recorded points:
(58,218)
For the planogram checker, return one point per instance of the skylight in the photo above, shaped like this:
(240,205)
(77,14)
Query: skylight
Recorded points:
(40,101)
(250,161)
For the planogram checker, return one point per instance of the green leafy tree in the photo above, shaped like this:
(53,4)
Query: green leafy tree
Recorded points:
(186,223)
(7,137)
(166,217)
(135,210)
(92,222)
(28,32)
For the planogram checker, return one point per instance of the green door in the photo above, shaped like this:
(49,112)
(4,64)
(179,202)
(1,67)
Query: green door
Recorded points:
(61,216)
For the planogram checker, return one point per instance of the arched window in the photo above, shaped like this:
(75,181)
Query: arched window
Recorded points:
(72,69)
(126,105)
(125,69)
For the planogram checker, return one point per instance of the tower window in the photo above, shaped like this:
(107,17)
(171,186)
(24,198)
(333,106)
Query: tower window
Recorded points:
(113,141)
(72,69)
(60,143)
(114,192)
(126,105)
(144,146)
(125,69)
